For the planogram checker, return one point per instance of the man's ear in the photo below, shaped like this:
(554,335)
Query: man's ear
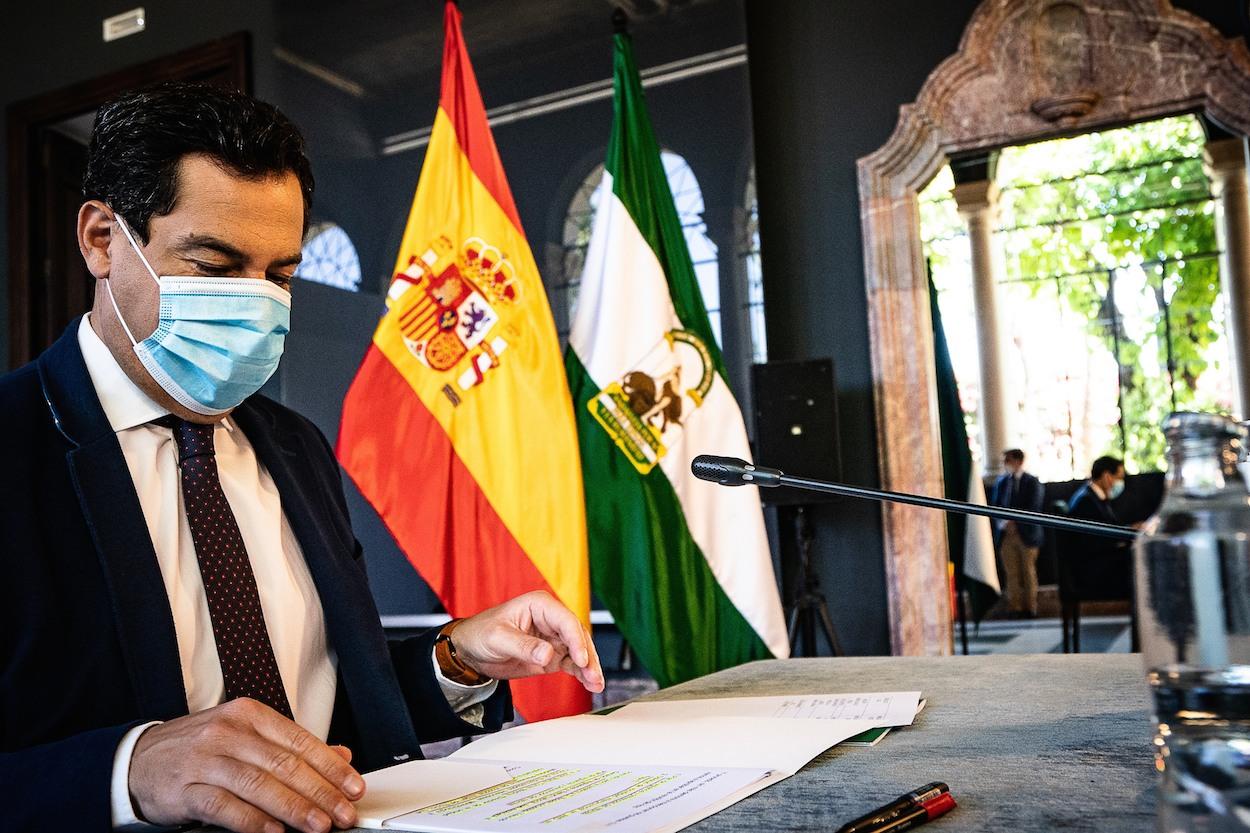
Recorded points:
(95,232)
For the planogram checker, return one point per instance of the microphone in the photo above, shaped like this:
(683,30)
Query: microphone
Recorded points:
(730,471)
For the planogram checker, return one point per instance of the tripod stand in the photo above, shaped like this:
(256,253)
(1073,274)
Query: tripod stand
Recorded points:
(809,605)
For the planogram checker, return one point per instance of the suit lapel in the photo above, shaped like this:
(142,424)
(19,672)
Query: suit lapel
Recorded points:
(352,623)
(110,506)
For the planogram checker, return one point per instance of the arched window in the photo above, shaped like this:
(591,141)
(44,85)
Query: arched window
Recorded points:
(578,224)
(330,258)
(753,270)
(688,197)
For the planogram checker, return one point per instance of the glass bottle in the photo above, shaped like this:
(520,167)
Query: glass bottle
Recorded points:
(1193,602)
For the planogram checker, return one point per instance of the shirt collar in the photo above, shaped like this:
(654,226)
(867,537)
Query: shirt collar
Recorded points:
(125,404)
(1093,487)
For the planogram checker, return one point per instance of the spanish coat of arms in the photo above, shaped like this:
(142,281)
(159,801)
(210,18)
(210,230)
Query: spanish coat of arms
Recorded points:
(450,303)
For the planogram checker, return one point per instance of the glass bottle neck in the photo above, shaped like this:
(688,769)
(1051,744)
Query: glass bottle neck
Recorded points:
(1203,466)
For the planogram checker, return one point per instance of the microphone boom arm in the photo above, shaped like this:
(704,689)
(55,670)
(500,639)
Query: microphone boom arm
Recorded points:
(729,471)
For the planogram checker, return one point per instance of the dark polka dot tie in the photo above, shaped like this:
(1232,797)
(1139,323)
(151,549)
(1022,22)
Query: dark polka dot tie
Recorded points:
(247,661)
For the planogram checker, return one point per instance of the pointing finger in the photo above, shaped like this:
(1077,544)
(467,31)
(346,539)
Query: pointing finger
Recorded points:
(590,679)
(554,619)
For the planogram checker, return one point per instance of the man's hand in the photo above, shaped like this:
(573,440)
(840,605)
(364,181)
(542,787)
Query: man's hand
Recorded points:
(242,766)
(529,635)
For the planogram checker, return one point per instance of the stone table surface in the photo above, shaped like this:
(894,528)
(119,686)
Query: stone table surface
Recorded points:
(1048,742)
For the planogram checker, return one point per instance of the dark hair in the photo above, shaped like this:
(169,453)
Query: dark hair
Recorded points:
(1105,465)
(1014,454)
(139,137)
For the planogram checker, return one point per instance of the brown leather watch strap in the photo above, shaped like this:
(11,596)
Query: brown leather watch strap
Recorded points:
(449,662)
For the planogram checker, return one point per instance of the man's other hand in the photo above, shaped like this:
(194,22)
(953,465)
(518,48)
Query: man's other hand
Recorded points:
(526,636)
(242,766)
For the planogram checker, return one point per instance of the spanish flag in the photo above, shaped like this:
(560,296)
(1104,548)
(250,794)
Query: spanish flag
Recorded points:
(459,427)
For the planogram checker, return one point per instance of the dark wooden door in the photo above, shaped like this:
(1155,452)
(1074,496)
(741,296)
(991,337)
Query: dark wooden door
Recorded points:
(61,288)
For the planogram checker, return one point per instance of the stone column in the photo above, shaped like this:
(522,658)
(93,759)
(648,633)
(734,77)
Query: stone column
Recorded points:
(1226,166)
(977,202)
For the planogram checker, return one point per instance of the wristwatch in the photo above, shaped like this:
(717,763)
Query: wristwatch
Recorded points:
(450,663)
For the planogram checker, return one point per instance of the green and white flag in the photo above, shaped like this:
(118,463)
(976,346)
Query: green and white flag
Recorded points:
(683,564)
(969,536)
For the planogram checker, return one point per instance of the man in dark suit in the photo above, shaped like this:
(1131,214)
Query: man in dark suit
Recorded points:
(186,633)
(1018,544)
(1100,564)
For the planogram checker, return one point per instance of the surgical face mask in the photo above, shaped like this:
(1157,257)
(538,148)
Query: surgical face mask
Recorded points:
(217,340)
(1117,489)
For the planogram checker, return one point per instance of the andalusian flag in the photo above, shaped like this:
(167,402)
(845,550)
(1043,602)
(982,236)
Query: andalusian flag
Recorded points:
(683,564)
(458,427)
(970,537)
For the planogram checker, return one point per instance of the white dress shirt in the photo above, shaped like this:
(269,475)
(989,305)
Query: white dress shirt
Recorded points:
(288,597)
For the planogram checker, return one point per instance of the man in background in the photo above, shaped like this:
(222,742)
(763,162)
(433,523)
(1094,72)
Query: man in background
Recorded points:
(1092,502)
(1101,566)
(1018,544)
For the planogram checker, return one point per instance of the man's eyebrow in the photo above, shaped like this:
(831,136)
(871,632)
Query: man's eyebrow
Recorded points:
(207,241)
(216,244)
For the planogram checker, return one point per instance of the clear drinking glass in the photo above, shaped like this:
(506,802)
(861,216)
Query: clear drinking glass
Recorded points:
(1193,601)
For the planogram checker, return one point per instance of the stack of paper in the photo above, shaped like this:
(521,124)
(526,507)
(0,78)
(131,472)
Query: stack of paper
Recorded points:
(647,767)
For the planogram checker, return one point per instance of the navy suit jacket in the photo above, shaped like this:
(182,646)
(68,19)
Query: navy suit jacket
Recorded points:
(1100,567)
(1086,505)
(87,644)
(1029,496)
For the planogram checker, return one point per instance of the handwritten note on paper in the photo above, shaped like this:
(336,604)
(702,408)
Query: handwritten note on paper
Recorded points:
(872,707)
(882,708)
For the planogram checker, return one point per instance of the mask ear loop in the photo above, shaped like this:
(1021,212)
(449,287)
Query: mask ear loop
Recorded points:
(108,283)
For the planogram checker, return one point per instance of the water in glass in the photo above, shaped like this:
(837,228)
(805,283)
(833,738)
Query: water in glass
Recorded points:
(1193,601)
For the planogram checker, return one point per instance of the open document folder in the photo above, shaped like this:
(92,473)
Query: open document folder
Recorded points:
(646,768)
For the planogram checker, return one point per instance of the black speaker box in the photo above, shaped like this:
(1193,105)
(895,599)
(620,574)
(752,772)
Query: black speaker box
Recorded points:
(796,425)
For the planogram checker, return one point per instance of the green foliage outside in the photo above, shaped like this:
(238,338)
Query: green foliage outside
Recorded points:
(1114,214)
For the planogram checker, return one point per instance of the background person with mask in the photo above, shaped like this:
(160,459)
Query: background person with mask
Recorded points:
(186,633)
(1093,500)
(1101,564)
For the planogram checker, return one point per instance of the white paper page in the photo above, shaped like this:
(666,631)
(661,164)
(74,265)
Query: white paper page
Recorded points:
(674,739)
(399,789)
(564,798)
(887,708)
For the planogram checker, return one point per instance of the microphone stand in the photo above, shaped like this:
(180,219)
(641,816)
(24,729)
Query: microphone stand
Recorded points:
(730,471)
(810,607)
